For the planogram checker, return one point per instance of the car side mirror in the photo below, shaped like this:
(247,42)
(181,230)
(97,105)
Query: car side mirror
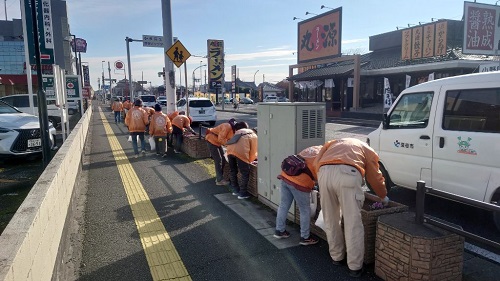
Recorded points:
(385,122)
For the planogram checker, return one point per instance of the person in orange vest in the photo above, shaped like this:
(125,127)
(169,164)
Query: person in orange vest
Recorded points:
(298,188)
(136,121)
(127,105)
(159,127)
(171,116)
(341,166)
(117,108)
(180,123)
(217,137)
(240,154)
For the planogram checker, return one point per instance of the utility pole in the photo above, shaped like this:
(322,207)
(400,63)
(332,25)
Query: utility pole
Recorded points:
(166,11)
(109,72)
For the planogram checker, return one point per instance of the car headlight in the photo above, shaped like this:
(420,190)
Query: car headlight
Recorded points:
(4,130)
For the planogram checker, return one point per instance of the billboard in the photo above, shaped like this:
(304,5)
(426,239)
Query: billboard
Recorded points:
(425,41)
(481,29)
(320,37)
(215,57)
(45,33)
(80,44)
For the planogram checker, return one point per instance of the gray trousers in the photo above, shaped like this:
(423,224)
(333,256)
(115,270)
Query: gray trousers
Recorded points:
(217,153)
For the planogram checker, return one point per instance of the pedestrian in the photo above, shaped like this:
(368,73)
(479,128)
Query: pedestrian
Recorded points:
(298,188)
(136,121)
(217,137)
(127,105)
(241,151)
(117,108)
(159,127)
(180,123)
(171,116)
(341,166)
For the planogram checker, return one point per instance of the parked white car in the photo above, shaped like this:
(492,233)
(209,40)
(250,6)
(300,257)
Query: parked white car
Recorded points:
(21,102)
(200,109)
(20,133)
(148,100)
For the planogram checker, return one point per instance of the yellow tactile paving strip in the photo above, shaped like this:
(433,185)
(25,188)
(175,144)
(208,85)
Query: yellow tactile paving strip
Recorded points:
(163,259)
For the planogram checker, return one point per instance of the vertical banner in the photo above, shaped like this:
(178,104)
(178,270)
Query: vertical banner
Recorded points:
(416,45)
(440,41)
(406,45)
(481,29)
(431,77)
(86,76)
(45,31)
(215,56)
(408,80)
(428,41)
(387,94)
(233,79)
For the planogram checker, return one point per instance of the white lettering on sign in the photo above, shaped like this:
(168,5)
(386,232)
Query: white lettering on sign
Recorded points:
(47,25)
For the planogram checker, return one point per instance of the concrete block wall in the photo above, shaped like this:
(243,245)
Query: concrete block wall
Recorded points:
(30,242)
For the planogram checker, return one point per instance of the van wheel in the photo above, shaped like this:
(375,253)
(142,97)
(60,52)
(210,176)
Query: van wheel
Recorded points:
(496,215)
(388,183)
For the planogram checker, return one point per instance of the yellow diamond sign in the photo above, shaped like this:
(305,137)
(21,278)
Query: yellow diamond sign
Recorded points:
(178,53)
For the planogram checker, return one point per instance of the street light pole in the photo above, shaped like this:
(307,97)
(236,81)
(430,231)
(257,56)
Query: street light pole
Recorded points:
(76,57)
(254,77)
(130,88)
(193,75)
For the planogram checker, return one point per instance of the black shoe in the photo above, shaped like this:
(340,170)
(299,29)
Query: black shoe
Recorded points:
(357,273)
(340,262)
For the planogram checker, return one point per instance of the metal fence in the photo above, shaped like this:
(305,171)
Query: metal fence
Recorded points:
(421,218)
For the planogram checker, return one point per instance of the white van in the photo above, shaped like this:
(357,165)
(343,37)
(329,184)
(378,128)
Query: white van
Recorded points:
(447,133)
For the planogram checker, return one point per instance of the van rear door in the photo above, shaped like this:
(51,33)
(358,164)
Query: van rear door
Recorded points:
(466,142)
(406,145)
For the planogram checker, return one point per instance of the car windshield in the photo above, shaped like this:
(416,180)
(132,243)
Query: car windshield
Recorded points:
(162,98)
(5,108)
(200,103)
(148,98)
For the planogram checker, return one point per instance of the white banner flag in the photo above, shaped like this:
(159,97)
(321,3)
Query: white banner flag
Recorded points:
(387,94)
(408,79)
(431,77)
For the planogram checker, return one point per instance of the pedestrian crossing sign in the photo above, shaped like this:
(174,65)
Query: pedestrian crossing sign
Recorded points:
(178,53)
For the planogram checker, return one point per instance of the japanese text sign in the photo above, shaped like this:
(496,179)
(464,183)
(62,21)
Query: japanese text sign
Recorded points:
(215,54)
(320,37)
(424,41)
(152,41)
(481,29)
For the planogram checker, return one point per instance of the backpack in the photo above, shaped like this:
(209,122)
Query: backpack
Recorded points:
(295,165)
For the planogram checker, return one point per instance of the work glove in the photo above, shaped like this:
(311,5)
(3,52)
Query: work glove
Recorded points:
(385,201)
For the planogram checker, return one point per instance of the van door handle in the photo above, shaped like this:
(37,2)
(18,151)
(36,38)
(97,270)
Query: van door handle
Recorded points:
(425,137)
(441,142)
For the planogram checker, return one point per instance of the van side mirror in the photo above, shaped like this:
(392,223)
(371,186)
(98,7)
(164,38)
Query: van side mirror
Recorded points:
(385,122)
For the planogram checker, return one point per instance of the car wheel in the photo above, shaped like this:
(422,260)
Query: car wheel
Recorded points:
(211,123)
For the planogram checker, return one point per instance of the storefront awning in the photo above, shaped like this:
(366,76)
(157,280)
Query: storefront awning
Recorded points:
(324,72)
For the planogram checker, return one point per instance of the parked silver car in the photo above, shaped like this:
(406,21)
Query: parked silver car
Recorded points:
(20,133)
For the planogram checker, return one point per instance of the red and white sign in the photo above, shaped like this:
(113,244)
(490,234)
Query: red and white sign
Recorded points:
(119,65)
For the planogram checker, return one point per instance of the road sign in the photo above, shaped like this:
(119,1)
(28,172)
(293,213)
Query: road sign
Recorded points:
(178,53)
(152,41)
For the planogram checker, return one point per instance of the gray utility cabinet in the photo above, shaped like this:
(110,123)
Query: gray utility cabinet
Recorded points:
(284,129)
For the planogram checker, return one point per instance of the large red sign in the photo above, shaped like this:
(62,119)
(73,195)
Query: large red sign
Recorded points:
(320,37)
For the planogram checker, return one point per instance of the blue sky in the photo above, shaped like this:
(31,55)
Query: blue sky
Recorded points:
(258,34)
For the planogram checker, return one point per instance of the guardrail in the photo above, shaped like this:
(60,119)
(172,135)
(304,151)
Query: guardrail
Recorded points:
(421,218)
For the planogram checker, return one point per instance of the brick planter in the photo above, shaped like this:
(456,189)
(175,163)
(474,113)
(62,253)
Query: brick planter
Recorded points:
(369,218)
(408,251)
(195,147)
(252,182)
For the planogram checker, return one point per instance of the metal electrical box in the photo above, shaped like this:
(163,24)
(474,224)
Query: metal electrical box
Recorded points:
(284,128)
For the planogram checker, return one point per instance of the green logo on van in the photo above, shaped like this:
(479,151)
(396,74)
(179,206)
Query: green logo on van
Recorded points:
(464,146)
